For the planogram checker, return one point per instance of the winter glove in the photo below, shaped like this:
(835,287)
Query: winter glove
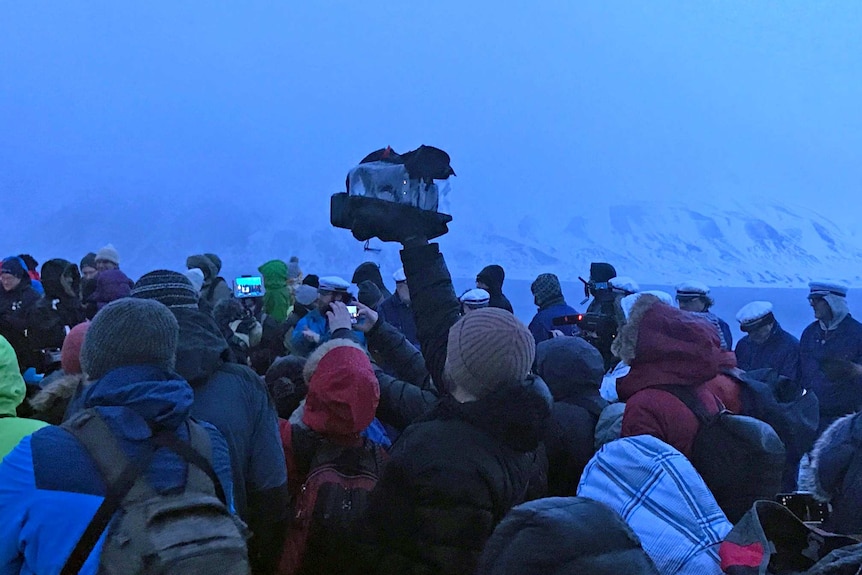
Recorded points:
(338,317)
(839,370)
(390,222)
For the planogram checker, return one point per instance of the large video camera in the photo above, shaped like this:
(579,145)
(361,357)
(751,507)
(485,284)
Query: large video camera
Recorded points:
(392,196)
(598,329)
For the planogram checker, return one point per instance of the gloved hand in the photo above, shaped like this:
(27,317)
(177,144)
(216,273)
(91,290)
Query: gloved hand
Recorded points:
(839,370)
(389,221)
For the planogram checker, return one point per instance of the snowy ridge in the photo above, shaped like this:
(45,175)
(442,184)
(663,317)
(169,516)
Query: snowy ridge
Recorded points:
(765,245)
(737,246)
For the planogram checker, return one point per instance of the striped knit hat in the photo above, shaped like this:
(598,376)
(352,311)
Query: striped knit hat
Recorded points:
(172,289)
(488,349)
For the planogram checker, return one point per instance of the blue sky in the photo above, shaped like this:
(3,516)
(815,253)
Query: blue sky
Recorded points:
(270,103)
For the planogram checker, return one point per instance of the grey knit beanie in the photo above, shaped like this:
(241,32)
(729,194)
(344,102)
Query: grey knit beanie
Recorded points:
(546,289)
(130,332)
(488,349)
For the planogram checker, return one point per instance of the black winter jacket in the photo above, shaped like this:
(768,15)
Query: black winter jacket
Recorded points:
(573,370)
(409,393)
(15,308)
(451,478)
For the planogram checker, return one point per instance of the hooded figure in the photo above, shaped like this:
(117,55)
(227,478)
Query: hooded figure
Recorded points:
(548,297)
(665,502)
(276,299)
(667,346)
(214,288)
(60,309)
(572,370)
(564,536)
(835,474)
(830,353)
(491,280)
(370,271)
(12,391)
(250,425)
(17,299)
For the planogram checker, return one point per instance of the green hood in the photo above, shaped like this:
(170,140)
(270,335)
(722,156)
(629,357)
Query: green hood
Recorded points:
(12,387)
(276,300)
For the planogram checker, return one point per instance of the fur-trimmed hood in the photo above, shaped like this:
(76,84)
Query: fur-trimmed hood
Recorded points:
(831,456)
(343,392)
(665,346)
(56,395)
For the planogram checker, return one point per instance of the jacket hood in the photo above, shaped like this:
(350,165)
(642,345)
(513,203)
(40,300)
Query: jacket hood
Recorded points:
(111,285)
(12,388)
(368,271)
(343,392)
(663,499)
(839,308)
(492,276)
(205,264)
(276,299)
(569,364)
(53,271)
(831,457)
(201,348)
(161,398)
(665,346)
(515,414)
(563,536)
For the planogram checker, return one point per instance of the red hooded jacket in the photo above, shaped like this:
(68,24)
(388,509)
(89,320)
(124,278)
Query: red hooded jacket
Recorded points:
(667,346)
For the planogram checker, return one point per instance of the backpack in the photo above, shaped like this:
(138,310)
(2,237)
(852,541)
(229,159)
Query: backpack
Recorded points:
(331,501)
(191,532)
(740,458)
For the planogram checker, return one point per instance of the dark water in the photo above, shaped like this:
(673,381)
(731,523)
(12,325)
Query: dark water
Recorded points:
(790,304)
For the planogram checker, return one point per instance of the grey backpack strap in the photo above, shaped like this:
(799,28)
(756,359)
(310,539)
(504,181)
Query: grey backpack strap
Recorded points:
(97,438)
(195,459)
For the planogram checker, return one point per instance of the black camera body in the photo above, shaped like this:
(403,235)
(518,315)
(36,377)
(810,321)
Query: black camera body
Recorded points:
(598,329)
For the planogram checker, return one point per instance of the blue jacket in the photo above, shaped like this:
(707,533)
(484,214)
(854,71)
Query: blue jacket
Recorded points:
(400,315)
(316,322)
(50,488)
(842,343)
(542,323)
(780,352)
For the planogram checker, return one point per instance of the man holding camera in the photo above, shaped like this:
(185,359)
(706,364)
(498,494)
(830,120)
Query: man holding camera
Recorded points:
(313,329)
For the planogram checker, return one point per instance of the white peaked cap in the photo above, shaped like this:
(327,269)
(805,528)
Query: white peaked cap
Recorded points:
(753,311)
(624,283)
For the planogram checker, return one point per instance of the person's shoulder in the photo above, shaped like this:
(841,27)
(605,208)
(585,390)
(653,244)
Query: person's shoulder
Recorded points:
(809,331)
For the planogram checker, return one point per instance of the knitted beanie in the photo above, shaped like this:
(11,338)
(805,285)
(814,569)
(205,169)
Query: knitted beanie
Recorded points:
(108,253)
(70,354)
(546,289)
(172,289)
(488,349)
(130,332)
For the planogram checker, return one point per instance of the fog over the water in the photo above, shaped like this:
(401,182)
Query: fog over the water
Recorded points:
(170,128)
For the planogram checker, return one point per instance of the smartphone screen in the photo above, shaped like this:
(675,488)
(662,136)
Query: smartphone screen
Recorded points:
(353,311)
(248,286)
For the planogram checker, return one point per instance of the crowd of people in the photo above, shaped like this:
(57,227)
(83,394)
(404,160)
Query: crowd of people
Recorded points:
(334,426)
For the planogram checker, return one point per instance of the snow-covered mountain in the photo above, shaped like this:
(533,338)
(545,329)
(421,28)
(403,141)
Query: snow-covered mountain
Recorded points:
(750,245)
(754,245)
